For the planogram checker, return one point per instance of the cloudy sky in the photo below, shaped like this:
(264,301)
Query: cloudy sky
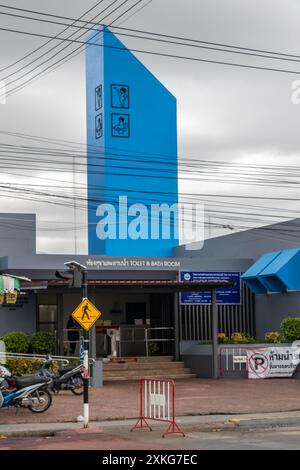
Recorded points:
(225,114)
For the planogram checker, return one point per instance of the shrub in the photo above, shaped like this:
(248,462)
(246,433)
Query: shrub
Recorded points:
(222,338)
(249,338)
(27,366)
(42,342)
(23,366)
(238,338)
(291,328)
(16,342)
(72,363)
(273,337)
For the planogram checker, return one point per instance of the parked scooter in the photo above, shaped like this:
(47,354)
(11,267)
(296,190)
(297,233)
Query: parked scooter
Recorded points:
(28,391)
(68,379)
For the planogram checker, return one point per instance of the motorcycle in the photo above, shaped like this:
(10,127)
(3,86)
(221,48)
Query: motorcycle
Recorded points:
(68,378)
(26,391)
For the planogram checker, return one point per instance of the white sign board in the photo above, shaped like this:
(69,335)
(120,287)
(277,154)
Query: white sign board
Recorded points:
(271,362)
(157,399)
(239,359)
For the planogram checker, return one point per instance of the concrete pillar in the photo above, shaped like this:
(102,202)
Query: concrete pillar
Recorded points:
(215,327)
(176,325)
(60,324)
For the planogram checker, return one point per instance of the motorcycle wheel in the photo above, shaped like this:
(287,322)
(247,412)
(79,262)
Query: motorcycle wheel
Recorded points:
(78,383)
(45,401)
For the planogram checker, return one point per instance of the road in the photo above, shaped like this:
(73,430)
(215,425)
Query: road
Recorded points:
(269,439)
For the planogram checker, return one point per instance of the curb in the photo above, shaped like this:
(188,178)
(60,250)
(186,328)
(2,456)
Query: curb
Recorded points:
(247,424)
(233,424)
(32,433)
(265,422)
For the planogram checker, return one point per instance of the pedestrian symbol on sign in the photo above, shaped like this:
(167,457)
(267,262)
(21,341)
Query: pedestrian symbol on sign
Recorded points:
(85,310)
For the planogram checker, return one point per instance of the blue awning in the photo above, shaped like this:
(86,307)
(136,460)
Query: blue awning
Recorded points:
(278,271)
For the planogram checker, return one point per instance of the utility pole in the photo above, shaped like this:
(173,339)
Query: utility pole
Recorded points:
(85,357)
(75,205)
(78,279)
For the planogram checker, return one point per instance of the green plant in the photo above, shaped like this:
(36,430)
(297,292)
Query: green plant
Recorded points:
(222,338)
(42,342)
(153,348)
(72,363)
(28,366)
(249,338)
(16,342)
(238,337)
(291,328)
(273,337)
(23,366)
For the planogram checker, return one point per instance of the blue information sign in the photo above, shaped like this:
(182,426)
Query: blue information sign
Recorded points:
(228,295)
(81,348)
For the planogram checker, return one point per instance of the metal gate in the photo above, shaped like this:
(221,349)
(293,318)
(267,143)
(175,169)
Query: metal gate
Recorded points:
(195,320)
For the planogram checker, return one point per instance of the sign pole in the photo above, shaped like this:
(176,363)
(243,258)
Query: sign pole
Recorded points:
(85,358)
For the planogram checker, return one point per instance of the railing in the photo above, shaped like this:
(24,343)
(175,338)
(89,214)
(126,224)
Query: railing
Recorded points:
(233,359)
(65,360)
(162,329)
(143,336)
(195,320)
(72,342)
(8,355)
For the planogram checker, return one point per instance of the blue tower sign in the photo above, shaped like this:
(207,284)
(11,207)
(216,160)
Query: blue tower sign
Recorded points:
(131,155)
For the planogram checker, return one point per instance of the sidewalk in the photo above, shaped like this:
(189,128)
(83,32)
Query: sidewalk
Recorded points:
(194,397)
(120,401)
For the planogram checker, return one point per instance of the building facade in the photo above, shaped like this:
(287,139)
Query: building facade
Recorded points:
(146,302)
(134,278)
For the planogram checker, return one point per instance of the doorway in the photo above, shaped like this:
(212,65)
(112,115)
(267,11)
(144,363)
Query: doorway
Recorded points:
(136,312)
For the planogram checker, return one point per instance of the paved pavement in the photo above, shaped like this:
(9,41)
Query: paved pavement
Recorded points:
(193,397)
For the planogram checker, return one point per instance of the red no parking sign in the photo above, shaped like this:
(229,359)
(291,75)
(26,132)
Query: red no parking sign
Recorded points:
(258,364)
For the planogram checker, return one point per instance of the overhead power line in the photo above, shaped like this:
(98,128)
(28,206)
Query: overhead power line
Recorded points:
(156,160)
(73,53)
(74,146)
(271,55)
(152,33)
(47,42)
(67,46)
(159,54)
(54,48)
(90,43)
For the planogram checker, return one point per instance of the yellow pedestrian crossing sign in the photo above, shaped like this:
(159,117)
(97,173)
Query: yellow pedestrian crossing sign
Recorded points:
(86,314)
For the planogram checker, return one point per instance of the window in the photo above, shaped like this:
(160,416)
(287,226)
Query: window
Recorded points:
(47,318)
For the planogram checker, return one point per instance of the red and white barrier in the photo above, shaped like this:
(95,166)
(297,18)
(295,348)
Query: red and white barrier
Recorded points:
(157,403)
(234,359)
